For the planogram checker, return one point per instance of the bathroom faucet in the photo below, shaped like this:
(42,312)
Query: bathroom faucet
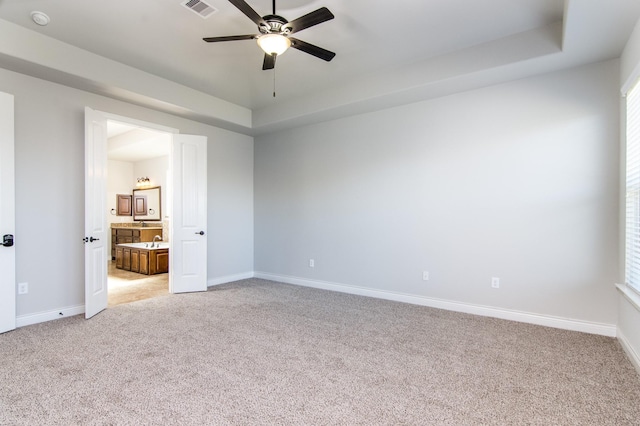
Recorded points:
(154,240)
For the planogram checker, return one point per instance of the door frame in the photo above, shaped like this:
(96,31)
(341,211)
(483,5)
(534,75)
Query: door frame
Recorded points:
(7,214)
(136,123)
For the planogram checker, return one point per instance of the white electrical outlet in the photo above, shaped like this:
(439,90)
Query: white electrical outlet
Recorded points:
(495,282)
(312,263)
(23,288)
(425,275)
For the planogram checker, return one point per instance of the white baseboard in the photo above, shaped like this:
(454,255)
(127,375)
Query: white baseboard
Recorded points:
(38,317)
(229,278)
(634,357)
(526,317)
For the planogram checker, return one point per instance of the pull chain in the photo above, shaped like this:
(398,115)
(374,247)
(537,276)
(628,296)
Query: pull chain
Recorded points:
(274,57)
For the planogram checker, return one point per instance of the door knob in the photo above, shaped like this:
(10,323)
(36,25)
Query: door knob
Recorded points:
(7,240)
(200,233)
(93,239)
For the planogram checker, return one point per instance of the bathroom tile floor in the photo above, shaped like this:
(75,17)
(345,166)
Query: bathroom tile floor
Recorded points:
(125,286)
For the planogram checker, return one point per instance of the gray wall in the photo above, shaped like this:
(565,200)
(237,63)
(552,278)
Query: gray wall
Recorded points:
(517,181)
(49,135)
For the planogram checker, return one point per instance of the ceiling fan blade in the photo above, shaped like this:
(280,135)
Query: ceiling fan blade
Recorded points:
(269,62)
(310,19)
(311,49)
(230,38)
(248,10)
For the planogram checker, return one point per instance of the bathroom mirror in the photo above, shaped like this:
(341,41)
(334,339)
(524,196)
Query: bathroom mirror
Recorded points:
(146,204)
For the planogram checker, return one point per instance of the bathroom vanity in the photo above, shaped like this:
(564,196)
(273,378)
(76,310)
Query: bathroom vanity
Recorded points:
(146,208)
(143,258)
(132,234)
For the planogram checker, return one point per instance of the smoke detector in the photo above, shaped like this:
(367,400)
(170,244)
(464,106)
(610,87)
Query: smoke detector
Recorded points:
(40,18)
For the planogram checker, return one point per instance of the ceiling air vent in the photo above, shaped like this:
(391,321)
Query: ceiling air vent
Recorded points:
(201,8)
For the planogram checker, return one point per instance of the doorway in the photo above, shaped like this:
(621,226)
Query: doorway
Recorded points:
(186,207)
(137,158)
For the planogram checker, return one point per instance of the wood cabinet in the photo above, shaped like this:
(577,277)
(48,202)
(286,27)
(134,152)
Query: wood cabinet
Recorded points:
(119,257)
(123,205)
(135,260)
(140,205)
(159,263)
(126,260)
(132,235)
(142,261)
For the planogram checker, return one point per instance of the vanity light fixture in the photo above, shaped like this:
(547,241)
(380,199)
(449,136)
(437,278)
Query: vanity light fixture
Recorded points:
(143,181)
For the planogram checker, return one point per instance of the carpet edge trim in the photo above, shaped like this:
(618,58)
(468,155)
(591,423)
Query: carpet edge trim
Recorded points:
(519,316)
(54,314)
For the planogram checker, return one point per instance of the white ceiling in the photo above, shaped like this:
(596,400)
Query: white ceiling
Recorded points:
(388,53)
(133,144)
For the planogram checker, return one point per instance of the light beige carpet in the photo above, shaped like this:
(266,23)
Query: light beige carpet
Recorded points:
(260,353)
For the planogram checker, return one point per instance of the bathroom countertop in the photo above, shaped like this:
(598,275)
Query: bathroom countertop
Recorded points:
(118,226)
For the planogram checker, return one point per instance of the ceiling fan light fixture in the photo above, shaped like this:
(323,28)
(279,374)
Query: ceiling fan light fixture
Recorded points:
(274,43)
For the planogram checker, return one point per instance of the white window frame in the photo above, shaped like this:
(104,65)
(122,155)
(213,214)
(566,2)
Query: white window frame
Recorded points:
(632,188)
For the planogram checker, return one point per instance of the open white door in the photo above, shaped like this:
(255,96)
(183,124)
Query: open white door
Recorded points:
(7,216)
(188,225)
(95,223)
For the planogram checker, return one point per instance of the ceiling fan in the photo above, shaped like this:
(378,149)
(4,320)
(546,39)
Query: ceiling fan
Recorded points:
(274,37)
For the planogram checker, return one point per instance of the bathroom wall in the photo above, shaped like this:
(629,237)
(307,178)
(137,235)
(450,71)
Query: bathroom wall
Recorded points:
(122,177)
(156,170)
(119,181)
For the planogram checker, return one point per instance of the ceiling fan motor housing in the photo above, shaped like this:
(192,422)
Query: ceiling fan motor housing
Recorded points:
(276,25)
